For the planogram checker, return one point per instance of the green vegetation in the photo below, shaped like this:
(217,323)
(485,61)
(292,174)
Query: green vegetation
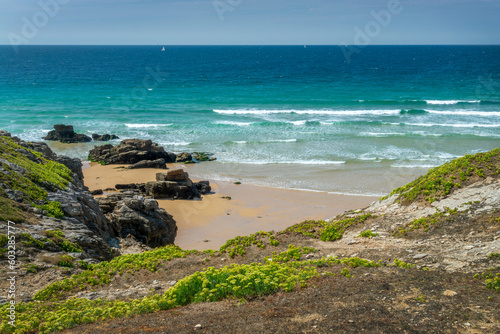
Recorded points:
(237,183)
(494,256)
(31,268)
(55,237)
(327,231)
(65,261)
(237,245)
(36,175)
(367,234)
(421,299)
(443,180)
(402,264)
(103,272)
(426,222)
(491,278)
(235,281)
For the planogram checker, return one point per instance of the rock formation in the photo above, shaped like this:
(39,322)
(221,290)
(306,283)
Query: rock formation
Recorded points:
(130,151)
(175,184)
(134,215)
(66,134)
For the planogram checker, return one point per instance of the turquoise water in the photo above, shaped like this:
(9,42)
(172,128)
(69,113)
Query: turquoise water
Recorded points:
(284,116)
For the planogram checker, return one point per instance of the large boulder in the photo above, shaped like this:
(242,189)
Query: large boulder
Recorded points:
(133,215)
(66,134)
(130,151)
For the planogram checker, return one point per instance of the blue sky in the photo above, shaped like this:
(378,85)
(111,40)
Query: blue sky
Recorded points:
(206,22)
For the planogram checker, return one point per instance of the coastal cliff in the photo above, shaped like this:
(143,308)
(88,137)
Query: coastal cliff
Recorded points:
(425,258)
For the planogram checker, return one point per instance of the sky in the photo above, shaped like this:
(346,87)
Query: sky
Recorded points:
(249,22)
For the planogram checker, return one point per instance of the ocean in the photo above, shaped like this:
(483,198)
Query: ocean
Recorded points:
(300,117)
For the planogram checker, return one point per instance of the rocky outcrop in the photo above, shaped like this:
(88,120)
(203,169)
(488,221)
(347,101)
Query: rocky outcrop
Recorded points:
(157,164)
(175,184)
(79,217)
(133,215)
(183,157)
(66,134)
(105,137)
(130,151)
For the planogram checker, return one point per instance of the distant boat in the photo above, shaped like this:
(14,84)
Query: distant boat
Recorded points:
(163,49)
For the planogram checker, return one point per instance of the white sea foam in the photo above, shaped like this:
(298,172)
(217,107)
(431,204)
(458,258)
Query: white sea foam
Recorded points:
(280,141)
(465,113)
(240,142)
(413,166)
(472,125)
(307,111)
(234,123)
(299,122)
(448,102)
(137,126)
(385,134)
(291,162)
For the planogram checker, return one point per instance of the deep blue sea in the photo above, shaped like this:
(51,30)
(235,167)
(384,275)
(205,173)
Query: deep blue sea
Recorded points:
(285,116)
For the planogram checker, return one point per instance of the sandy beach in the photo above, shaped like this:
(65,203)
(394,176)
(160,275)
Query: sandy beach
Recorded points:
(209,222)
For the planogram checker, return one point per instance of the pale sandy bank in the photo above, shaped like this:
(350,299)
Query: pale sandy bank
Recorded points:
(208,223)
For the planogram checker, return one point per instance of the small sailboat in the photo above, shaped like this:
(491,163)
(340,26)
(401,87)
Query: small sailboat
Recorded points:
(163,49)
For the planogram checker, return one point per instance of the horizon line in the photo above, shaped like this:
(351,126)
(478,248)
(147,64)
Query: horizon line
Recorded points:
(362,46)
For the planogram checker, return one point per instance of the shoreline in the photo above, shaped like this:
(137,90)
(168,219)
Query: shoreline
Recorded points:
(208,223)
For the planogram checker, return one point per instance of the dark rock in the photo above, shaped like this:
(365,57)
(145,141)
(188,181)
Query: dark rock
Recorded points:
(104,137)
(66,134)
(130,151)
(110,189)
(183,157)
(142,218)
(159,164)
(97,192)
(173,175)
(203,187)
(5,133)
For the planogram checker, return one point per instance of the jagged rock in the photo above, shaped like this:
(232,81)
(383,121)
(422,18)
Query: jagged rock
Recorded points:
(130,151)
(203,187)
(171,189)
(66,134)
(159,164)
(173,175)
(175,184)
(134,215)
(5,133)
(104,137)
(183,157)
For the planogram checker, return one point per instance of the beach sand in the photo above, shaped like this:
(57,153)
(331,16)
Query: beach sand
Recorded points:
(209,222)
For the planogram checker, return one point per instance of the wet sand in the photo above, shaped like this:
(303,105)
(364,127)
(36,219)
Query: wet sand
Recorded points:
(209,222)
